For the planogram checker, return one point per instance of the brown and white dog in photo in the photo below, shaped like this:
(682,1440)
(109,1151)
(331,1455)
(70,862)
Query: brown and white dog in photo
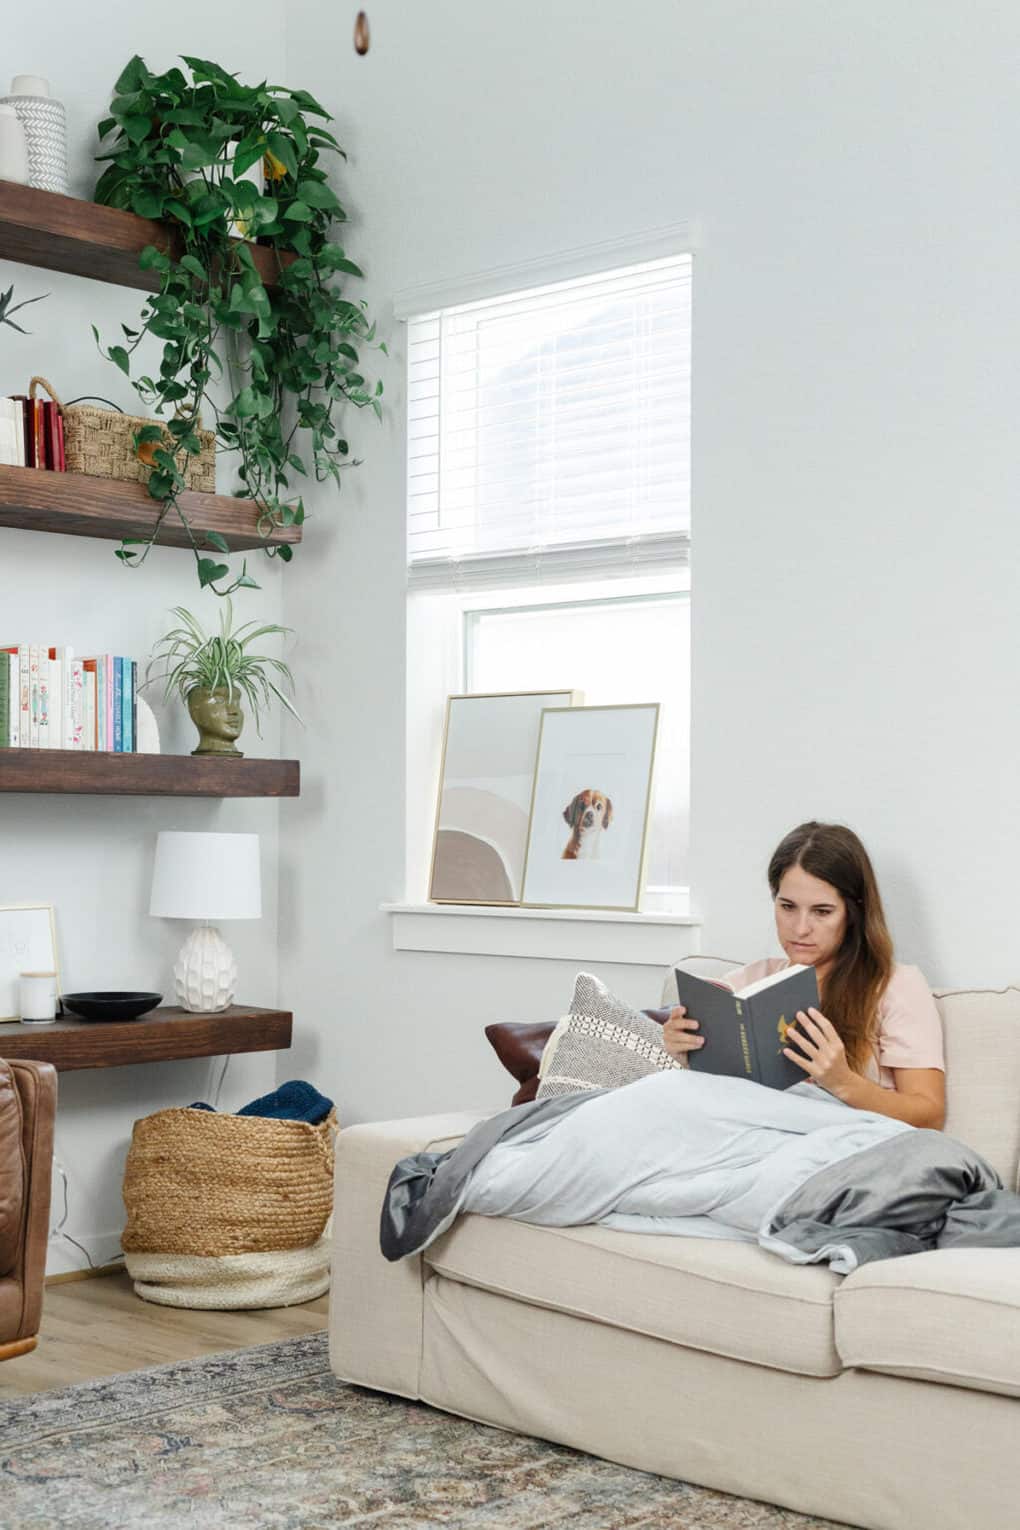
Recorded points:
(589,815)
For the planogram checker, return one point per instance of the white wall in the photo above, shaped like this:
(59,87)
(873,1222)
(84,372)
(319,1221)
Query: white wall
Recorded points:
(855,469)
(92,857)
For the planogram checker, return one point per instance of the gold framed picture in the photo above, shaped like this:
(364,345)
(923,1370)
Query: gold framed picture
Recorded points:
(588,825)
(490,742)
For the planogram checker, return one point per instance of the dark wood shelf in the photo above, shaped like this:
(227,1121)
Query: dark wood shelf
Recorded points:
(145,775)
(164,1035)
(43,228)
(33,499)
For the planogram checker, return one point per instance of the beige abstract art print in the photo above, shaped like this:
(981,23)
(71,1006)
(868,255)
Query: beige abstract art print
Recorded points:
(490,745)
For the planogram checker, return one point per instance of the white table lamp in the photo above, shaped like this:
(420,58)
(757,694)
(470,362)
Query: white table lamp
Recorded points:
(206,877)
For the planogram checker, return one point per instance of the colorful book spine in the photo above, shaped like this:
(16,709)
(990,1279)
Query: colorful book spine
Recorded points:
(34,697)
(128,741)
(5,702)
(118,705)
(108,692)
(90,709)
(134,705)
(10,655)
(76,706)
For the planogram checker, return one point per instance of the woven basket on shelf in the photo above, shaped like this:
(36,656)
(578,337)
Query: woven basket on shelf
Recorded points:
(101,443)
(210,1196)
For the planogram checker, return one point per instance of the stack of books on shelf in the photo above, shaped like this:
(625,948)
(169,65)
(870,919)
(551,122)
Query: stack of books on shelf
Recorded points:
(31,433)
(51,700)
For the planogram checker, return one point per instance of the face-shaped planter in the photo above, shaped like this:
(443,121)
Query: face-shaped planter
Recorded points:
(218,718)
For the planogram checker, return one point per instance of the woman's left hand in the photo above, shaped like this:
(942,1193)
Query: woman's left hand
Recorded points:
(820,1052)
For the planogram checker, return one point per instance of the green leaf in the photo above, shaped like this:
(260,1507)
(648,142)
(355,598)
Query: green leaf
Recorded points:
(332,257)
(152,259)
(136,128)
(282,148)
(317,194)
(208,571)
(147,204)
(106,126)
(285,552)
(246,404)
(133,76)
(148,433)
(215,540)
(194,267)
(119,356)
(298,212)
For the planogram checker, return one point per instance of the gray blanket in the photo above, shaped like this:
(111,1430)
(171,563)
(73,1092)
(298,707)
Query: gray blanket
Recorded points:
(695,1155)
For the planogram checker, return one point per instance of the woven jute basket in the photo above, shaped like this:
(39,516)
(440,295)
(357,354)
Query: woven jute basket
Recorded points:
(201,1183)
(101,443)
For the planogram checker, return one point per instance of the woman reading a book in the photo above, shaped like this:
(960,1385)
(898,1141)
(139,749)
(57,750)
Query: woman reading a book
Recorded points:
(876,1041)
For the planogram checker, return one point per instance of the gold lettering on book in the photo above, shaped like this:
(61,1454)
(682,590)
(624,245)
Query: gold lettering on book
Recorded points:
(745,1048)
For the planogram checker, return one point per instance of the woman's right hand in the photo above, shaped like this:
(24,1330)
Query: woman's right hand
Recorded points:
(680,1034)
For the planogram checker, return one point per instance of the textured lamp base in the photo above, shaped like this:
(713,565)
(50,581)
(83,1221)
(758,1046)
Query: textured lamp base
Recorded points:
(205,972)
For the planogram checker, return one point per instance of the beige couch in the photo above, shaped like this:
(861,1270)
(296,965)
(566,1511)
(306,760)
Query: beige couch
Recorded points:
(885,1399)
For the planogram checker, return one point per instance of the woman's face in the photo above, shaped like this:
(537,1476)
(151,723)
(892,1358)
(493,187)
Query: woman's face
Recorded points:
(810,918)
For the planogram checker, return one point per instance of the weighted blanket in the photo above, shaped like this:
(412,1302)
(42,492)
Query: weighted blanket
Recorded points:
(695,1154)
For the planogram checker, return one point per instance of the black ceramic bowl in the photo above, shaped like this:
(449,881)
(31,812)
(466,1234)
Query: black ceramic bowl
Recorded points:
(110,1006)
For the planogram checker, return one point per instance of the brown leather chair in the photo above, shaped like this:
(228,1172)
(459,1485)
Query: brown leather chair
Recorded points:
(28,1102)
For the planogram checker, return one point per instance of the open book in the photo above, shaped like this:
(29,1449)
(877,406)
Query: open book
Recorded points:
(745,1032)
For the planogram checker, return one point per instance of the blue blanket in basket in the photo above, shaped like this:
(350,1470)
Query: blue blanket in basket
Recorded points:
(294,1101)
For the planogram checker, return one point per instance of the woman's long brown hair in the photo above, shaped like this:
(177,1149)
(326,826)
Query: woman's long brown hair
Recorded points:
(864,962)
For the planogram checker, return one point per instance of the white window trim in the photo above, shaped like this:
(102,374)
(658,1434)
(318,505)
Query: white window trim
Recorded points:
(562,265)
(584,935)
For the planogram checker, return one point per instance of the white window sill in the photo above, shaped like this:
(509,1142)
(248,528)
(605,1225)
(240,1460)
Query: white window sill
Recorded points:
(590,935)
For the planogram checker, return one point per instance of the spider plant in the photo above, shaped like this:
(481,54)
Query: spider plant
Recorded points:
(194,660)
(7,307)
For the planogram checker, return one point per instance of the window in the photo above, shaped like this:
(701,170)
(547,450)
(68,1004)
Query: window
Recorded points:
(548,518)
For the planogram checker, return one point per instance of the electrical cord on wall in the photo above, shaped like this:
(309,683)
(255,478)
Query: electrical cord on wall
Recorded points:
(219,1086)
(57,1231)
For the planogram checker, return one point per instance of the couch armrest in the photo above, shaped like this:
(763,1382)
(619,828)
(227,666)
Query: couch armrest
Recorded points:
(375,1308)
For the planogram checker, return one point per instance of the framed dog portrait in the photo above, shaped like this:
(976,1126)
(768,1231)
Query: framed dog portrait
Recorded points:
(485,780)
(588,824)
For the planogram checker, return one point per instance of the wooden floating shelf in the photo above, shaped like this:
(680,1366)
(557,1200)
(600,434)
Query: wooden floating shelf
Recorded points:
(34,499)
(145,775)
(163,1035)
(43,228)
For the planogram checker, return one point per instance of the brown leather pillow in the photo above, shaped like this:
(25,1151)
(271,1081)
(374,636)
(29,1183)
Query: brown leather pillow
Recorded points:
(520,1047)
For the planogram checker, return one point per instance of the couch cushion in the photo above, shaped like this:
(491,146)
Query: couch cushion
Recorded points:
(952,1315)
(13,1188)
(982,1032)
(725,1297)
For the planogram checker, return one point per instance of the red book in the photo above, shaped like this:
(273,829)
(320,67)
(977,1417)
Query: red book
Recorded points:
(50,449)
(38,432)
(61,458)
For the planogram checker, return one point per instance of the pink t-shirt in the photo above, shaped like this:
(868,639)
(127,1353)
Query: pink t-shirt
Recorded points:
(909,1028)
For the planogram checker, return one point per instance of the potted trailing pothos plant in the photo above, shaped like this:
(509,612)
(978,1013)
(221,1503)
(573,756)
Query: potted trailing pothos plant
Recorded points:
(213,673)
(183,148)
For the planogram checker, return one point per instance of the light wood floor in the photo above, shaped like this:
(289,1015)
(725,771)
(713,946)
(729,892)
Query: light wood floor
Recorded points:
(98,1327)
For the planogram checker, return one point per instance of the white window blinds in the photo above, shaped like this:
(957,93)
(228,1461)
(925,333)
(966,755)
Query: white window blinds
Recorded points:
(549,431)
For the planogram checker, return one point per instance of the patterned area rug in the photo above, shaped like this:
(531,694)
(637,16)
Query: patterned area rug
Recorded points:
(268,1439)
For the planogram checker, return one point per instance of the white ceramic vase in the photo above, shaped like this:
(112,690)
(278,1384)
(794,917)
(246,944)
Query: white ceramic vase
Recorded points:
(45,128)
(13,147)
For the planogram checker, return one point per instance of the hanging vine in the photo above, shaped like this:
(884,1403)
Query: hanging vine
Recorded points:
(222,163)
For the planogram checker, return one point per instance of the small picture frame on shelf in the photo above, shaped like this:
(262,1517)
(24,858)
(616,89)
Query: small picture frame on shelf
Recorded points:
(588,827)
(28,943)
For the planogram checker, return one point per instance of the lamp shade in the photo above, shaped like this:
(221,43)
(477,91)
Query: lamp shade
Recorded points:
(206,876)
